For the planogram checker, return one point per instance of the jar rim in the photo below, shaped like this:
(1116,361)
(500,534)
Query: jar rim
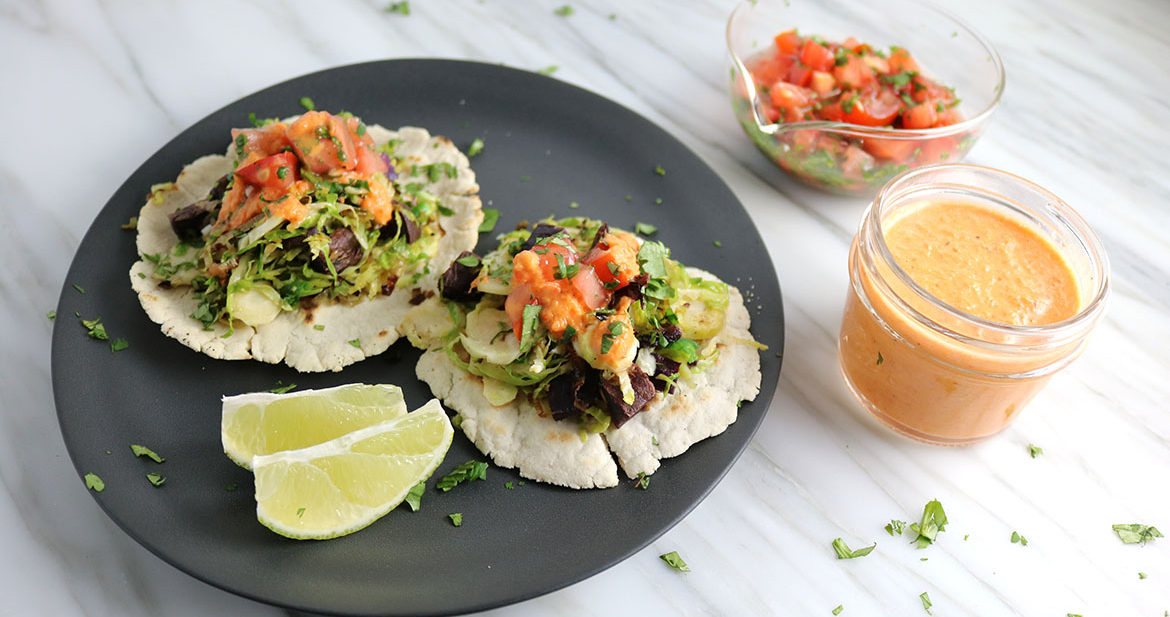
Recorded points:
(1064,215)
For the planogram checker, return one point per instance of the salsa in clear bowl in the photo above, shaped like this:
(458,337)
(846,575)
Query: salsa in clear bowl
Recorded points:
(846,99)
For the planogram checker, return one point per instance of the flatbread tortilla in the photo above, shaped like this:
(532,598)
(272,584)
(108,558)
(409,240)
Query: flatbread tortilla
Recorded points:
(516,435)
(316,339)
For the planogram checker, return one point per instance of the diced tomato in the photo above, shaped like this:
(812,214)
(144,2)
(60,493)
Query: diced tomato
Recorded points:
(589,286)
(822,83)
(788,42)
(323,141)
(261,142)
(369,162)
(923,88)
(937,150)
(855,73)
(514,307)
(900,61)
(874,108)
(855,162)
(816,56)
(896,150)
(278,172)
(880,65)
(772,69)
(804,139)
(799,74)
(921,116)
(615,259)
(793,101)
(949,116)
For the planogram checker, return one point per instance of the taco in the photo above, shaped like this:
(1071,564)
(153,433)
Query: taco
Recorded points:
(573,343)
(307,243)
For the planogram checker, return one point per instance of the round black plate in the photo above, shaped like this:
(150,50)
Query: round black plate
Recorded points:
(548,144)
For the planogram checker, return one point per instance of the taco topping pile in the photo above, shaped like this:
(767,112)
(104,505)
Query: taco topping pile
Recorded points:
(312,208)
(587,322)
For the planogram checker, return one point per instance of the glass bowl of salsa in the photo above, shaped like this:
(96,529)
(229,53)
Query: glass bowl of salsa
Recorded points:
(846,96)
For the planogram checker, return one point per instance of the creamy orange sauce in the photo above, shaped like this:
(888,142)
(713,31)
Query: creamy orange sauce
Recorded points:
(983,264)
(561,306)
(932,386)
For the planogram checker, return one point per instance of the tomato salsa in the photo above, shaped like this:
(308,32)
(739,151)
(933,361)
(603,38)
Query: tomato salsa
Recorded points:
(807,79)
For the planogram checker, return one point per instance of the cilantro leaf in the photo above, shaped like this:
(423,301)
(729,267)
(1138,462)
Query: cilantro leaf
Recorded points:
(414,497)
(456,518)
(926,603)
(308,104)
(490,216)
(564,10)
(156,479)
(1035,450)
(465,472)
(1133,533)
(548,70)
(96,329)
(675,561)
(119,344)
(92,481)
(281,389)
(895,527)
(659,170)
(475,148)
(52,315)
(1018,539)
(643,481)
(646,229)
(840,607)
(402,8)
(141,451)
(934,520)
(844,552)
(530,320)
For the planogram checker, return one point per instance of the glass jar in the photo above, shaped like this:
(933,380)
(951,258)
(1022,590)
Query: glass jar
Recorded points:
(937,373)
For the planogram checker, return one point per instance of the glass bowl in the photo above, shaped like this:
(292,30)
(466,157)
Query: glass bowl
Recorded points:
(852,159)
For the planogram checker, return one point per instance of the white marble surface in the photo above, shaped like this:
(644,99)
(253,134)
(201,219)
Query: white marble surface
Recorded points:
(89,89)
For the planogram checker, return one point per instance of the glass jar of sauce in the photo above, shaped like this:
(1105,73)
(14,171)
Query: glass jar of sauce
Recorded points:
(970,288)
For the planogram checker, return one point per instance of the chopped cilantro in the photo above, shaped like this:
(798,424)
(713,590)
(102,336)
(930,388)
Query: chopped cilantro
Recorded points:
(475,148)
(548,70)
(119,344)
(934,520)
(658,201)
(646,229)
(564,11)
(241,141)
(156,479)
(717,244)
(1142,575)
(574,205)
(895,527)
(231,487)
(357,342)
(141,451)
(92,481)
(281,388)
(52,315)
(508,485)
(456,518)
(79,288)
(95,328)
(131,224)
(530,319)
(926,603)
(1035,450)
(465,472)
(658,169)
(470,261)
(319,327)
(840,607)
(880,359)
(402,8)
(654,440)
(643,481)
(1134,533)
(613,16)
(414,497)
(308,104)
(1018,539)
(673,560)
(300,511)
(844,552)
(490,216)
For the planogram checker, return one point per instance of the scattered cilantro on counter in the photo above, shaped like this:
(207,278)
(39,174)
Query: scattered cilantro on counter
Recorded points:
(52,315)
(456,518)
(119,344)
(548,70)
(673,560)
(1035,450)
(414,497)
(717,244)
(895,527)
(402,8)
(926,603)
(1133,533)
(844,552)
(156,479)
(141,451)
(1018,539)
(658,169)
(79,288)
(464,472)
(1142,575)
(95,328)
(840,607)
(564,10)
(934,520)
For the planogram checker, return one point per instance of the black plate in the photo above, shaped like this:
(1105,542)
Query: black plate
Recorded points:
(547,144)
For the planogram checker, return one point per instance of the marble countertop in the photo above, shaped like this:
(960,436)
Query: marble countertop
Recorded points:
(91,89)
